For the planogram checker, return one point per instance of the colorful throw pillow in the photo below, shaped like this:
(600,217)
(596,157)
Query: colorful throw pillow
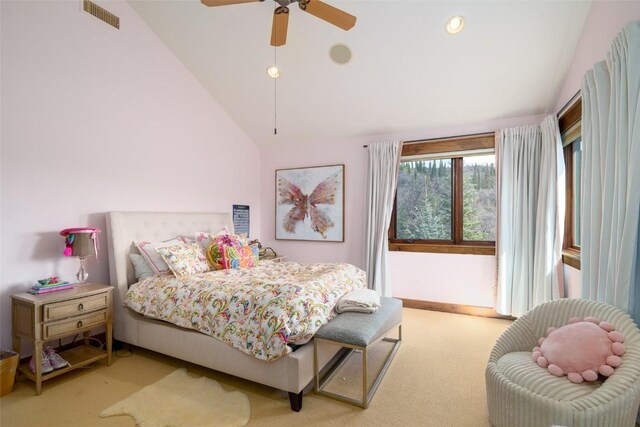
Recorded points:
(205,238)
(148,251)
(185,259)
(215,251)
(240,256)
(581,350)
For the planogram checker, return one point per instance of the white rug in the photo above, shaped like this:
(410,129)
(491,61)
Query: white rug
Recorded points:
(180,400)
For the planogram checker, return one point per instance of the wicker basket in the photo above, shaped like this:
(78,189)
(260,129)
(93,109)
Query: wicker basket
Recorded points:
(8,366)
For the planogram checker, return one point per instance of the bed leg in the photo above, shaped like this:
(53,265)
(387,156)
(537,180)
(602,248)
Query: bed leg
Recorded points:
(296,401)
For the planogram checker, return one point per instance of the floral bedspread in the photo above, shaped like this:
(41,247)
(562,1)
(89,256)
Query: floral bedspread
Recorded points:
(257,310)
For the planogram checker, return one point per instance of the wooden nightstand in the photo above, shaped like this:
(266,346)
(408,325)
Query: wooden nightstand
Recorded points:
(46,317)
(274,259)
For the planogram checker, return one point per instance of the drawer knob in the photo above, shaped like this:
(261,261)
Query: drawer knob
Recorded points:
(79,323)
(80,306)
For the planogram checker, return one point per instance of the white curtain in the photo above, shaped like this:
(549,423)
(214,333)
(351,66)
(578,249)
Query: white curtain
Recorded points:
(611,175)
(531,217)
(382,180)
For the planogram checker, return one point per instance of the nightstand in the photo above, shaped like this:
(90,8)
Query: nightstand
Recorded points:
(46,317)
(278,258)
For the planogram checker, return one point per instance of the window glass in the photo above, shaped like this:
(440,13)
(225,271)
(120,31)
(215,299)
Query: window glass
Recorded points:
(423,209)
(479,198)
(577,190)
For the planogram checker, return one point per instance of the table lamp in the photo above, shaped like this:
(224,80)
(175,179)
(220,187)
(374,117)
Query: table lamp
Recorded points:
(81,242)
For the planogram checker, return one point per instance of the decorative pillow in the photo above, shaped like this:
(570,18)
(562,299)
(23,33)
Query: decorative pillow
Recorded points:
(243,239)
(215,251)
(240,256)
(184,259)
(154,260)
(204,238)
(581,350)
(140,267)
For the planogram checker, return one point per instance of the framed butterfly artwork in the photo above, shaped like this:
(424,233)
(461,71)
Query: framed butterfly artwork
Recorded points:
(310,203)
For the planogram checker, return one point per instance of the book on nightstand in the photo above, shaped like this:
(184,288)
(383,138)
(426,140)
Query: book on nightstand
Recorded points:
(46,286)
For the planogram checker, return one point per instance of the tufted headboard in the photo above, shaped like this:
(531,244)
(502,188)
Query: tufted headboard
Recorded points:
(125,227)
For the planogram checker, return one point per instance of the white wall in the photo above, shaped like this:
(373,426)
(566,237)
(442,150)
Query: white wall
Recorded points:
(97,119)
(459,279)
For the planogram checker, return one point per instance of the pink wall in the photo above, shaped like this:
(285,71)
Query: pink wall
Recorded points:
(605,20)
(572,282)
(417,276)
(95,119)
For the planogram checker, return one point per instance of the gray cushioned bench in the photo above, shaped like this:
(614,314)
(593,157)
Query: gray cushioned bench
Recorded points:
(360,331)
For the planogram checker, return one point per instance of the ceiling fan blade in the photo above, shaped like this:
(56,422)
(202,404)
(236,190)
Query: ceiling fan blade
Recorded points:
(328,13)
(279,27)
(212,3)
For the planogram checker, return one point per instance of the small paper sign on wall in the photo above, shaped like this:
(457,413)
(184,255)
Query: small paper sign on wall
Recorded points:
(241,219)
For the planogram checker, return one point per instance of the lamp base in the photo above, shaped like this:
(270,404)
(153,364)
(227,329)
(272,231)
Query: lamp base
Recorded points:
(82,274)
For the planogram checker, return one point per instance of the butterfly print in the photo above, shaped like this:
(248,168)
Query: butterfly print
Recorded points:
(307,205)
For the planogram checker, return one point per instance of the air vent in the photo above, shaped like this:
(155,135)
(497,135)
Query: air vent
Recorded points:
(101,13)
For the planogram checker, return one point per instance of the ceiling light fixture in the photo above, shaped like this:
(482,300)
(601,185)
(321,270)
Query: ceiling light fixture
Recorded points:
(455,24)
(273,72)
(340,53)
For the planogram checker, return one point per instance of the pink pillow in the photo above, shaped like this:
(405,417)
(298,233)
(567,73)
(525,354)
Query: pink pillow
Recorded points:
(581,350)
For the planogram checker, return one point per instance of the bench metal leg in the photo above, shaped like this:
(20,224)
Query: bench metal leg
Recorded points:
(367,395)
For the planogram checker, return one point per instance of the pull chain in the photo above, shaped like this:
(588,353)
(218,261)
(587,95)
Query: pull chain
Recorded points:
(275,92)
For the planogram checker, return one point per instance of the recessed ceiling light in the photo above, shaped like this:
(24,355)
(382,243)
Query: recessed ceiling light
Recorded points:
(273,72)
(455,24)
(340,53)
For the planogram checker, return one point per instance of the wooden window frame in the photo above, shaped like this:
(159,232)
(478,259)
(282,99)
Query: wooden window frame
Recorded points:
(457,245)
(569,124)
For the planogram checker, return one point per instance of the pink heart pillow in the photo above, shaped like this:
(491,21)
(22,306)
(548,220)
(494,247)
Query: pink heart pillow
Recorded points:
(581,350)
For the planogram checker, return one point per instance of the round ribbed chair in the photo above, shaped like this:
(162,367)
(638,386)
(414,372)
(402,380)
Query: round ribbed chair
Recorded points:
(520,393)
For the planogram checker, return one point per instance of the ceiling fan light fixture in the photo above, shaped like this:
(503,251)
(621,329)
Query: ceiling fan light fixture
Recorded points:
(273,72)
(455,24)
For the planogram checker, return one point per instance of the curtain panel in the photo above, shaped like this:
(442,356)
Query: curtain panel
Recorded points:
(611,175)
(531,217)
(382,180)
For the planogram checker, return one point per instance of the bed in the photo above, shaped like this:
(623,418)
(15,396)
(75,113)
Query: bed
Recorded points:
(291,372)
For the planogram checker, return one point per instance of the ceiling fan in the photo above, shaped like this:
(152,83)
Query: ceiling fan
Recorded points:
(316,8)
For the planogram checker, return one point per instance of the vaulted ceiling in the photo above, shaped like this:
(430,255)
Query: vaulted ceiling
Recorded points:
(406,72)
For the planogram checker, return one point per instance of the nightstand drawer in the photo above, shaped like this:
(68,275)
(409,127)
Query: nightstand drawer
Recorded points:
(74,324)
(60,310)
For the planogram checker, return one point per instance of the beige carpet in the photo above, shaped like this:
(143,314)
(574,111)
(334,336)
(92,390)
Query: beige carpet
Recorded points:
(182,400)
(436,379)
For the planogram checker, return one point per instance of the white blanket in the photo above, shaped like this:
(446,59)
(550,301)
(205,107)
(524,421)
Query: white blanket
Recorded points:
(360,300)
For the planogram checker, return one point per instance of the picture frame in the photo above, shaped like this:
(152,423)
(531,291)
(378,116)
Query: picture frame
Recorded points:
(310,203)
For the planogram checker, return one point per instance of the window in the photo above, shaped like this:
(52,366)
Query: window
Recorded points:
(570,129)
(446,197)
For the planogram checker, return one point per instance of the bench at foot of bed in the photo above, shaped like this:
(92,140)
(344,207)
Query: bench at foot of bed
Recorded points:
(359,331)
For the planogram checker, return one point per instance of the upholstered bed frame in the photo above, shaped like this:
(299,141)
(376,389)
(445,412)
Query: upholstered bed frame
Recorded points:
(291,373)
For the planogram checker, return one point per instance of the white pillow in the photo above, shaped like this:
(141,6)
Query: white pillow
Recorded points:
(154,260)
(140,267)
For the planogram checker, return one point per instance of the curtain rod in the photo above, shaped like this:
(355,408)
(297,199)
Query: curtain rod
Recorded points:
(414,141)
